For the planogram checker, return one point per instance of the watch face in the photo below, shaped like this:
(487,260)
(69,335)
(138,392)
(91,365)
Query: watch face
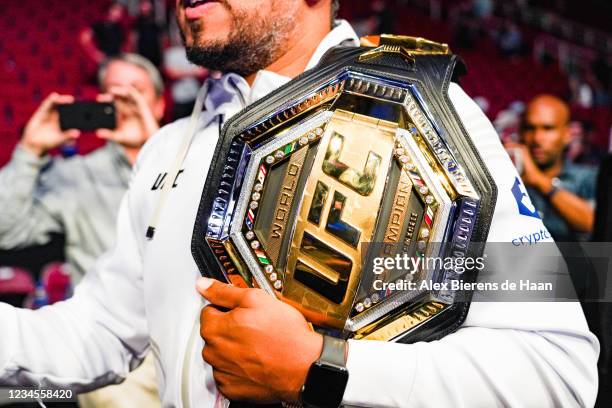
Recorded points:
(324,386)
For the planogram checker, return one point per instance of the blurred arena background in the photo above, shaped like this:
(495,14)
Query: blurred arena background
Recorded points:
(514,50)
(556,46)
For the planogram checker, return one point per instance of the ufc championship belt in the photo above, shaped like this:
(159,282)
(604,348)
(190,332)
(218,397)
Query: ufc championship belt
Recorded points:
(360,159)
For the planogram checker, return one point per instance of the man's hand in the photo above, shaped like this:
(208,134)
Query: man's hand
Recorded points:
(532,176)
(135,121)
(43,132)
(575,210)
(259,347)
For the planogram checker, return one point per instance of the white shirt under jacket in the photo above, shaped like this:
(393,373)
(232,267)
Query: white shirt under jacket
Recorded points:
(141,295)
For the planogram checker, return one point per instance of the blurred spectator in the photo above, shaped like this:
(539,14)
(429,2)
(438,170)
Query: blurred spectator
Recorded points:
(575,146)
(581,92)
(562,192)
(366,26)
(185,77)
(483,103)
(148,33)
(105,38)
(483,9)
(602,72)
(601,69)
(585,96)
(15,285)
(79,196)
(467,29)
(385,19)
(186,80)
(131,6)
(507,122)
(53,286)
(510,40)
(582,148)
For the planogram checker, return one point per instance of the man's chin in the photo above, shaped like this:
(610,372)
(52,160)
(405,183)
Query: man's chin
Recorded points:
(206,39)
(544,164)
(224,59)
(207,32)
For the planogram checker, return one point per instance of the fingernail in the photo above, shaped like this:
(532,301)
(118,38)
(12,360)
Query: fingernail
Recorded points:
(203,284)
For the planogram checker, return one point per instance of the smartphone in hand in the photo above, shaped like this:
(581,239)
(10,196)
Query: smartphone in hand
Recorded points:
(87,116)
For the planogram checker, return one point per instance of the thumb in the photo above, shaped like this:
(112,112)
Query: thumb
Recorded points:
(220,294)
(105,134)
(72,133)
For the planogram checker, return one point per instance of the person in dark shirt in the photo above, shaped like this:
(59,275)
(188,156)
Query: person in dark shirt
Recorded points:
(148,33)
(603,233)
(563,193)
(384,16)
(105,39)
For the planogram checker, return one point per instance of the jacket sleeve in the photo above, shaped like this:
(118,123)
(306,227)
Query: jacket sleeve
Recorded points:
(506,353)
(25,219)
(94,338)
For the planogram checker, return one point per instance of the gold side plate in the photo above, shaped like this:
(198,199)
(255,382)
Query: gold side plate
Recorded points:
(400,323)
(406,46)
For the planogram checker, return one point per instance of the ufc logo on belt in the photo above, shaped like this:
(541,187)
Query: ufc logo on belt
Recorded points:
(339,209)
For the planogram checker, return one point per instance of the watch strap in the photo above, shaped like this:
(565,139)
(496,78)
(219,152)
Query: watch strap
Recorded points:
(554,190)
(334,351)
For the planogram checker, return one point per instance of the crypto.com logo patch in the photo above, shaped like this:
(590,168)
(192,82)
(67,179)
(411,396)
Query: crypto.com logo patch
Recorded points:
(525,206)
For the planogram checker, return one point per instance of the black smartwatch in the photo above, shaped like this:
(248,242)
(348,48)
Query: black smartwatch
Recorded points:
(327,377)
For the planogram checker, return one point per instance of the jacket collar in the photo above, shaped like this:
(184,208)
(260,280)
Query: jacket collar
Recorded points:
(230,93)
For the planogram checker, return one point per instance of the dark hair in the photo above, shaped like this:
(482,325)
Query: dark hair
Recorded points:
(335,6)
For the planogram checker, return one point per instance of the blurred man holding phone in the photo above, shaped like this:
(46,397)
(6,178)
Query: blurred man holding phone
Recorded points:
(563,193)
(80,196)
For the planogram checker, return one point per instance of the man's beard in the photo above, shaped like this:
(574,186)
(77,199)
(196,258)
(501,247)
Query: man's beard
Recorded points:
(546,162)
(252,44)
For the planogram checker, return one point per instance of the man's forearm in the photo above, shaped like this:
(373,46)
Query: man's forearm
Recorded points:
(85,342)
(58,346)
(576,211)
(475,367)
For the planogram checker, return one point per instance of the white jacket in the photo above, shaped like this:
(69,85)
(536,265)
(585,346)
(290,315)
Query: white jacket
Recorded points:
(141,295)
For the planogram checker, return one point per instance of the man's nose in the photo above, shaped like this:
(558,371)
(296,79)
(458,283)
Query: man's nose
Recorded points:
(539,135)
